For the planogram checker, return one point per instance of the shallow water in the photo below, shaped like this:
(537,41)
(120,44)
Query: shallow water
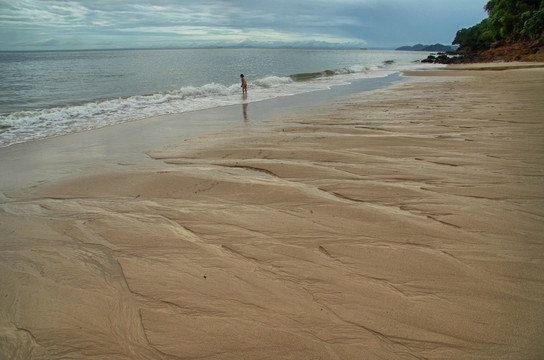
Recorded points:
(47,94)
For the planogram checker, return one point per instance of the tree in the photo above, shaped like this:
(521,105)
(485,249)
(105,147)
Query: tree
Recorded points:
(508,20)
(534,25)
(476,38)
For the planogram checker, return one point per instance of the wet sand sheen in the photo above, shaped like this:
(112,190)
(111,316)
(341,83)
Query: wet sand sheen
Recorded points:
(402,224)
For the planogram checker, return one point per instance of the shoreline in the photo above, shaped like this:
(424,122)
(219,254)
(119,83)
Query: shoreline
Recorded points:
(403,222)
(52,158)
(104,101)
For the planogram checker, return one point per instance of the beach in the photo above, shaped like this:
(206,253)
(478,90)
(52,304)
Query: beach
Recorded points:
(402,223)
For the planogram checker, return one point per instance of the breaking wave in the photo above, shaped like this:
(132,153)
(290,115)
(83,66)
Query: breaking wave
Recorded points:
(31,125)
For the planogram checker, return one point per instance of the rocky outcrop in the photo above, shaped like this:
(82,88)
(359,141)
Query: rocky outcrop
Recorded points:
(500,51)
(420,47)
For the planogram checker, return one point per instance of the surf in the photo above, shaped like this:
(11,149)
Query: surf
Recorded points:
(35,124)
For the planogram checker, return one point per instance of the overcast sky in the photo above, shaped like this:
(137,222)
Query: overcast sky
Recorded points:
(92,24)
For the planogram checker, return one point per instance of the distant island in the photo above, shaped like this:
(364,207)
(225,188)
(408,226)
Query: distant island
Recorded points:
(435,47)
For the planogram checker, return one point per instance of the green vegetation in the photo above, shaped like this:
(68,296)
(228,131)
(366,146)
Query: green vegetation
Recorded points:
(509,21)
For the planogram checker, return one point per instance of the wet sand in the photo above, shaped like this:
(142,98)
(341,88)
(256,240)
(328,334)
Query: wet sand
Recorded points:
(399,224)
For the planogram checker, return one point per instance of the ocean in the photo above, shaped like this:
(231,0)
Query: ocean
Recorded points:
(48,94)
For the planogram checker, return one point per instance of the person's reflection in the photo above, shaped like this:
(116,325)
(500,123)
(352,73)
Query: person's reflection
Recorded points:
(244,107)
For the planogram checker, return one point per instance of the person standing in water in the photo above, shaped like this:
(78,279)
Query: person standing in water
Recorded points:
(244,84)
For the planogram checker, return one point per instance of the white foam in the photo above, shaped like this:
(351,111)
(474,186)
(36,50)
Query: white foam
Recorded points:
(272,81)
(31,125)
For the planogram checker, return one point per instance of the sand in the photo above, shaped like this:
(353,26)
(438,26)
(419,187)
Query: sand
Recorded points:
(405,223)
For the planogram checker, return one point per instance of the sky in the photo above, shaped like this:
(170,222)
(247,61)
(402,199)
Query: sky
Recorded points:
(118,24)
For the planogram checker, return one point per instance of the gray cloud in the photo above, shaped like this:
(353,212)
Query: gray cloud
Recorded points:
(26,24)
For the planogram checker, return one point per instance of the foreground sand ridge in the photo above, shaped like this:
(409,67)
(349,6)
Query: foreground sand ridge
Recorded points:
(405,223)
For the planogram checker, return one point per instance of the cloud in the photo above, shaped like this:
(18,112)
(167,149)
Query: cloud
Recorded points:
(146,23)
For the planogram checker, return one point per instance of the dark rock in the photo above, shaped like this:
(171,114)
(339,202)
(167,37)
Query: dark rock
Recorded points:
(443,58)
(420,47)
(430,59)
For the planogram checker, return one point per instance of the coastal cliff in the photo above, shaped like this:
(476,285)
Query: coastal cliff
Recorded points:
(514,31)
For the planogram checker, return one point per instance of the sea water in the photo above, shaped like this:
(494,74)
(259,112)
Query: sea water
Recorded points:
(47,94)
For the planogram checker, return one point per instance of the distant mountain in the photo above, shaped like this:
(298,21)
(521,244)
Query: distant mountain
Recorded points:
(420,47)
